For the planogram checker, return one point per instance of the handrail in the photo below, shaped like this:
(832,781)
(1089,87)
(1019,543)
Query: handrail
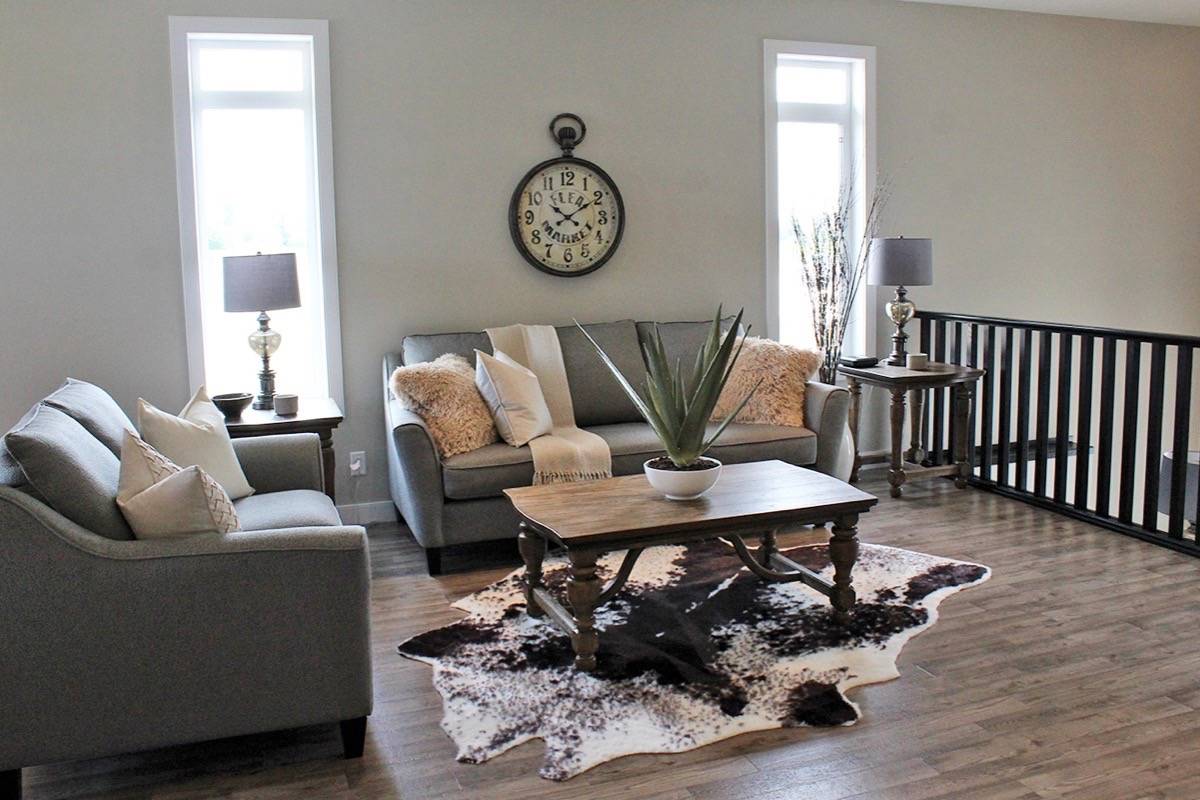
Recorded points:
(1062,327)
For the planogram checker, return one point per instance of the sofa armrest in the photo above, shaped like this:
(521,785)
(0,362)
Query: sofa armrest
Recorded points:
(415,474)
(280,462)
(125,645)
(826,413)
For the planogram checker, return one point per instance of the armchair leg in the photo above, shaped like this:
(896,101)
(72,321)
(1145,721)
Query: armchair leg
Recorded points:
(354,732)
(433,560)
(10,784)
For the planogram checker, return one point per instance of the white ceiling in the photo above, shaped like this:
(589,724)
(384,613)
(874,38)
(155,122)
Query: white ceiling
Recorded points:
(1176,12)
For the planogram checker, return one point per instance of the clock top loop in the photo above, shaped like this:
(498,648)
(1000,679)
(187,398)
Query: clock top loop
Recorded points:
(568,136)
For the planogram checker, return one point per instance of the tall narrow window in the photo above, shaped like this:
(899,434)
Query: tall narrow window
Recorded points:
(254,168)
(819,126)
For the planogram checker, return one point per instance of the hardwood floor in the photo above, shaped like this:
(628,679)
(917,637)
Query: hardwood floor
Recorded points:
(1073,673)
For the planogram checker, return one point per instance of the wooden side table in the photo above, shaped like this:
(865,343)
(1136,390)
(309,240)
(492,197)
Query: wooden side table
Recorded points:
(899,381)
(319,415)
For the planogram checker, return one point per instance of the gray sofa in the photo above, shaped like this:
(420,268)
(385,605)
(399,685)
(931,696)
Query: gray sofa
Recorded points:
(115,645)
(459,500)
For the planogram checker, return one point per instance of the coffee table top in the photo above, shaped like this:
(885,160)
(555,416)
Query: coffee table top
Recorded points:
(762,493)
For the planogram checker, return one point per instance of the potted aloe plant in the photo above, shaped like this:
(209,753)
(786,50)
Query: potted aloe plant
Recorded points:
(678,407)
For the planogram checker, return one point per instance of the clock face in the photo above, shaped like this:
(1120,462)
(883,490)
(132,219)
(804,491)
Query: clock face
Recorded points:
(567,217)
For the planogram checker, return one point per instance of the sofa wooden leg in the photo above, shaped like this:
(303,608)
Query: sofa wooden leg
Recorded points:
(354,732)
(10,784)
(433,560)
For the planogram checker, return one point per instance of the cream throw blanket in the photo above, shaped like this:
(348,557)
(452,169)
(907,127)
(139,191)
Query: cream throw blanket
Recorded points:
(567,453)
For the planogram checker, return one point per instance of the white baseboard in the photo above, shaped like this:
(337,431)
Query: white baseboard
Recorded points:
(366,513)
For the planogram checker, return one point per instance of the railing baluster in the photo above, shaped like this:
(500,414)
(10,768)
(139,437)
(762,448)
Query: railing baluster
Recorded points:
(1005,410)
(985,425)
(1108,378)
(954,356)
(1179,450)
(1154,429)
(1026,365)
(1062,436)
(1083,423)
(1041,440)
(939,398)
(1133,386)
(926,347)
(973,361)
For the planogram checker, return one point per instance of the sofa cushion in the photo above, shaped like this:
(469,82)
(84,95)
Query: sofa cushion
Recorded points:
(595,393)
(295,508)
(71,469)
(94,409)
(422,347)
(486,472)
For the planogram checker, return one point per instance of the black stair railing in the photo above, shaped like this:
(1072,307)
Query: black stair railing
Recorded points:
(1090,422)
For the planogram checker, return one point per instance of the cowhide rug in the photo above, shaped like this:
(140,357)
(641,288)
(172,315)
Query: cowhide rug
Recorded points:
(694,649)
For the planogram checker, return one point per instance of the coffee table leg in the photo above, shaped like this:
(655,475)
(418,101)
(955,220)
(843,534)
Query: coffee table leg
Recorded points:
(533,552)
(767,546)
(843,552)
(583,590)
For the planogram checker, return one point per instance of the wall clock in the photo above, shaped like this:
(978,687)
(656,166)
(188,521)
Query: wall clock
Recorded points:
(566,215)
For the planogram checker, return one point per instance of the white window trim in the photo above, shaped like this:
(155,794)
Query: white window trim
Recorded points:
(185,179)
(772,49)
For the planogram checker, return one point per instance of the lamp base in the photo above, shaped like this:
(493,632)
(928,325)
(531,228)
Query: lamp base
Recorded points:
(899,310)
(265,399)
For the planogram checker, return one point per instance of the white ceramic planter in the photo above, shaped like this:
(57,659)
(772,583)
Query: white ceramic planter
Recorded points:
(683,484)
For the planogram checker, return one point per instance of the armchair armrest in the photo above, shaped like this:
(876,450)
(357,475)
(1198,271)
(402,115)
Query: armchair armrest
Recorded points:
(826,413)
(125,645)
(282,461)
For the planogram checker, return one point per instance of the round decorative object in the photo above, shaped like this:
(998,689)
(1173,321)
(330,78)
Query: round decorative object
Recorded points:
(685,484)
(566,215)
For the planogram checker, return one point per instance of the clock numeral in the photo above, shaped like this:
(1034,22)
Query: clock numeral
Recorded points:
(583,250)
(597,196)
(567,178)
(535,236)
(548,182)
(549,247)
(602,217)
(535,198)
(585,180)
(599,237)
(528,217)
(568,256)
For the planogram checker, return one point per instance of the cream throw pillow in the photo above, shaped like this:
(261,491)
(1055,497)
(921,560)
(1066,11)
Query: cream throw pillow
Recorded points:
(784,371)
(443,393)
(161,500)
(514,396)
(196,437)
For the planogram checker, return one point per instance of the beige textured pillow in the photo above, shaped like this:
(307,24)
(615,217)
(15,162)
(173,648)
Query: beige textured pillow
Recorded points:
(161,500)
(784,371)
(444,394)
(514,396)
(197,436)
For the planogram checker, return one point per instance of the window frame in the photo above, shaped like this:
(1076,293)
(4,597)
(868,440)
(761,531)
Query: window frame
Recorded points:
(318,29)
(862,333)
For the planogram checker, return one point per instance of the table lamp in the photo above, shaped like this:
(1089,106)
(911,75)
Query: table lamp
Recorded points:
(262,283)
(900,262)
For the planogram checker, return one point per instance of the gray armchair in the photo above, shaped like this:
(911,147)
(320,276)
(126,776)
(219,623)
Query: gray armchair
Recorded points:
(457,500)
(113,646)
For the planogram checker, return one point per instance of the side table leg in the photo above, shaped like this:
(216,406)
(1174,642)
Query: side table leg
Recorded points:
(916,423)
(855,412)
(767,546)
(964,395)
(843,552)
(533,552)
(896,475)
(583,590)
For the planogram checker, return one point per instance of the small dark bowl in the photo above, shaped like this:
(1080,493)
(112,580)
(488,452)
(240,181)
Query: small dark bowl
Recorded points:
(232,405)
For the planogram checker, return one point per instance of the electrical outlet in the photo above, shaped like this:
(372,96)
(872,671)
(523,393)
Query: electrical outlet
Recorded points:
(358,463)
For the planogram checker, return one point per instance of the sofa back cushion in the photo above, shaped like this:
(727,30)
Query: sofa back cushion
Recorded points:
(422,347)
(95,410)
(69,467)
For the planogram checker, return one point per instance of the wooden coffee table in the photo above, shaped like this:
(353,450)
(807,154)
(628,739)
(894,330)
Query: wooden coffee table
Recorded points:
(591,518)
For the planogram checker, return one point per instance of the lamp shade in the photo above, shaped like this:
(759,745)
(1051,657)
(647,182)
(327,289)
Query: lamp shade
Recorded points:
(900,262)
(261,283)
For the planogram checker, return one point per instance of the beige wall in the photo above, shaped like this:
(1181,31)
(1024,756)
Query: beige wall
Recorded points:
(1054,160)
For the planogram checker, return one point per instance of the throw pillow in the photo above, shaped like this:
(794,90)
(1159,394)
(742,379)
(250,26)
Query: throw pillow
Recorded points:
(784,371)
(443,393)
(71,469)
(196,437)
(514,396)
(161,500)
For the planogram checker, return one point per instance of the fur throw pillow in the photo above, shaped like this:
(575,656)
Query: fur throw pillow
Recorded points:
(444,394)
(784,370)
